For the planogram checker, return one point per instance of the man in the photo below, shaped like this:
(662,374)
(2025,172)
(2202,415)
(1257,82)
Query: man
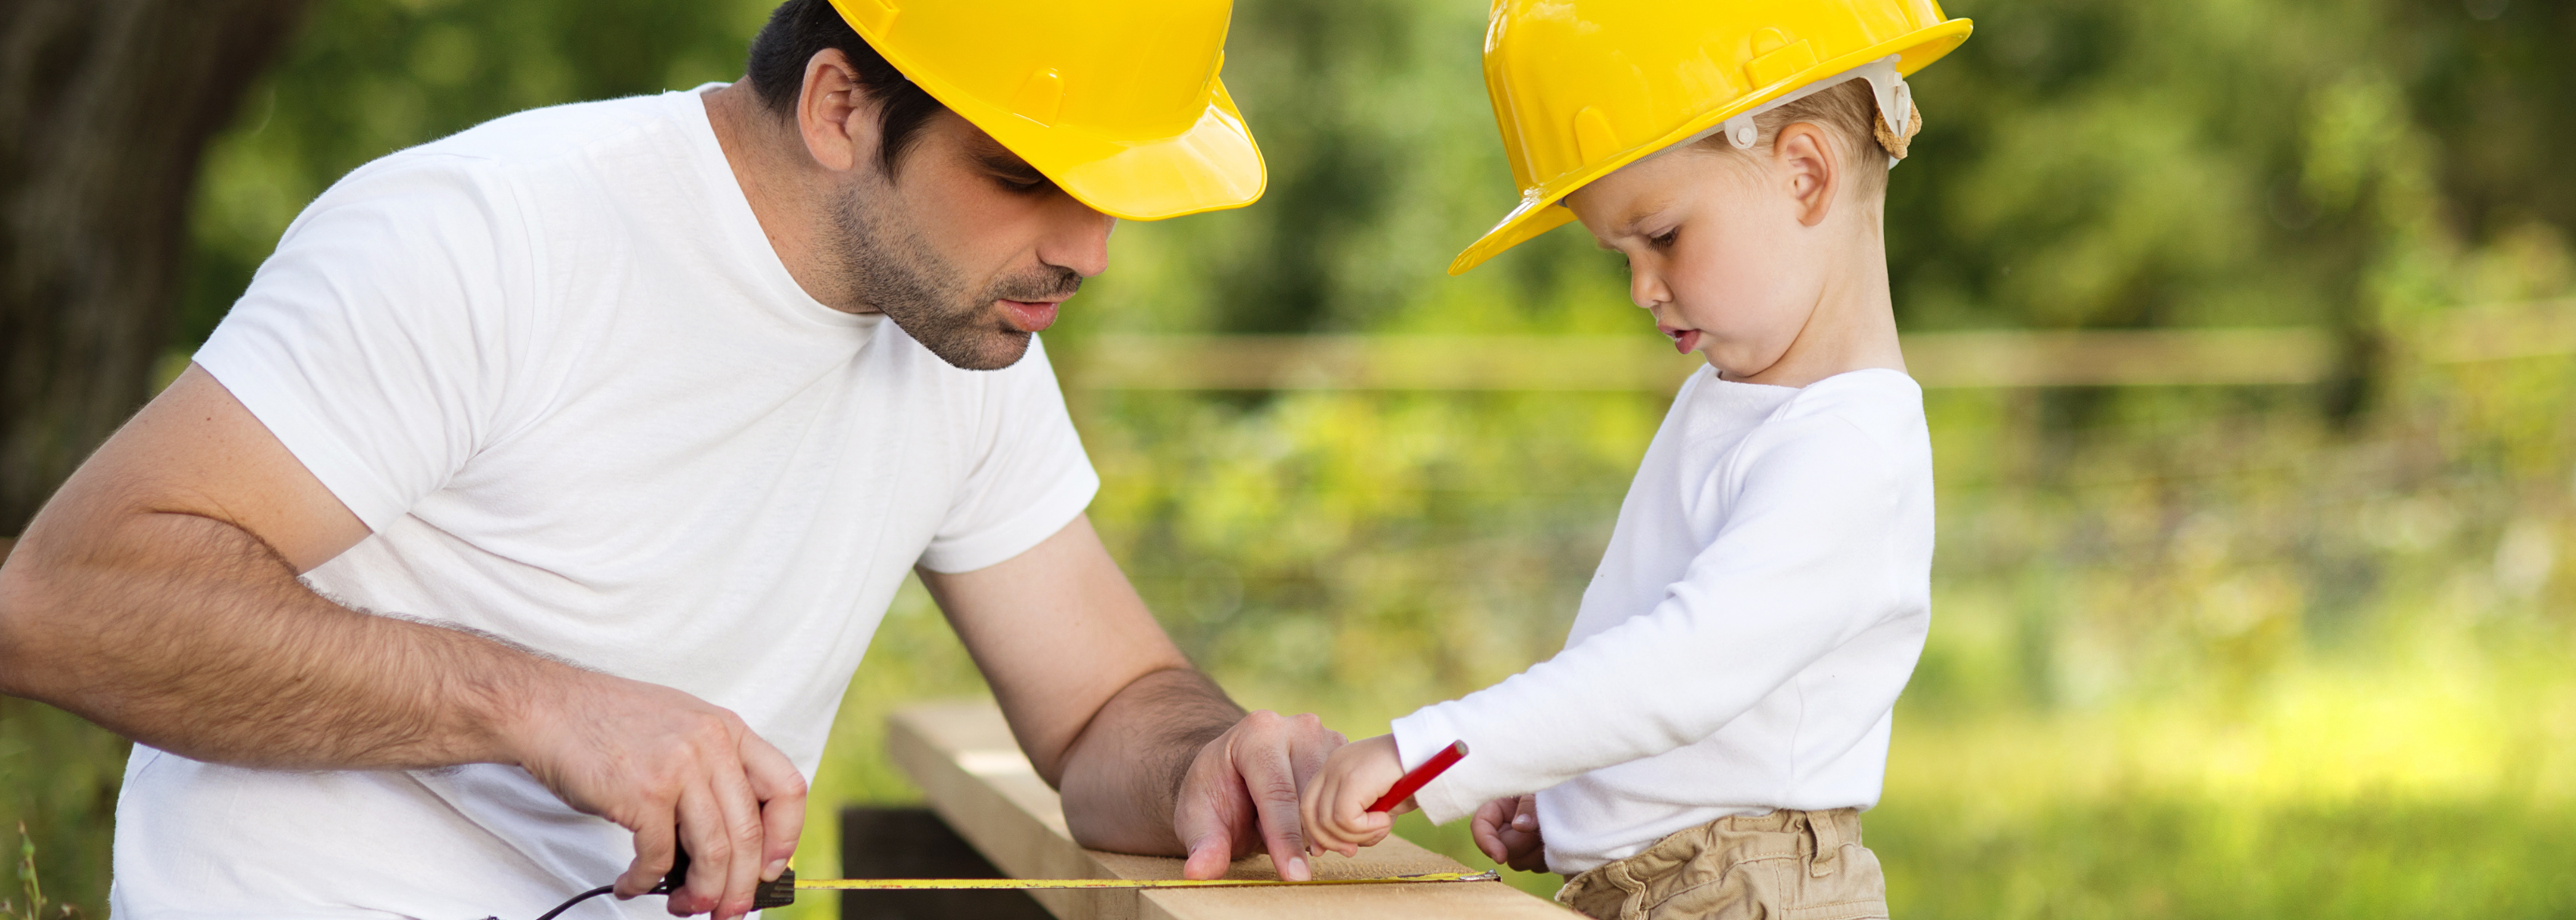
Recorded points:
(526,518)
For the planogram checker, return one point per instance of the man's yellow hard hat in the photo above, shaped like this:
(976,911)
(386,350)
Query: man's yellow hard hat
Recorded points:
(1118,103)
(1583,87)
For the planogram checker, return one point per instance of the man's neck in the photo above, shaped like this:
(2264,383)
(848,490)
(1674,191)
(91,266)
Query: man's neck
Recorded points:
(778,179)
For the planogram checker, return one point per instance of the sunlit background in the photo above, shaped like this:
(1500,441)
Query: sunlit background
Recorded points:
(2226,624)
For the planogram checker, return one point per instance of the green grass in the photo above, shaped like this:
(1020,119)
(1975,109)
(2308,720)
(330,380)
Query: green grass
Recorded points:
(58,780)
(2153,856)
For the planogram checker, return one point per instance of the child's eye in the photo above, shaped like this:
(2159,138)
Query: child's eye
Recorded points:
(1664,240)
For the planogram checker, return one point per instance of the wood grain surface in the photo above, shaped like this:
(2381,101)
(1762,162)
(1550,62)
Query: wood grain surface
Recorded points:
(963,757)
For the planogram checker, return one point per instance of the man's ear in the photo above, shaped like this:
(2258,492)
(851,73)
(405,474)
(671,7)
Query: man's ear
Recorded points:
(1804,154)
(834,113)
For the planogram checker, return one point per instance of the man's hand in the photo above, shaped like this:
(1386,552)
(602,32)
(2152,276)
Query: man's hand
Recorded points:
(1151,757)
(1507,830)
(1240,794)
(1336,804)
(673,769)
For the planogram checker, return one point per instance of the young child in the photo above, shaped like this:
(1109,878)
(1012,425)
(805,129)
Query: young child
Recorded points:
(1719,717)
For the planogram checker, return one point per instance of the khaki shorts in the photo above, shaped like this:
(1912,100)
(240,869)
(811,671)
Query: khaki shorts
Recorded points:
(1786,865)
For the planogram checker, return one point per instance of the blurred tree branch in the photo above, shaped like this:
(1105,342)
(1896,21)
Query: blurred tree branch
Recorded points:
(105,109)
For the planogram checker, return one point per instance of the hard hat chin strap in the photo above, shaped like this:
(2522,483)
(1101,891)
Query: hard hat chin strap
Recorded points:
(1895,106)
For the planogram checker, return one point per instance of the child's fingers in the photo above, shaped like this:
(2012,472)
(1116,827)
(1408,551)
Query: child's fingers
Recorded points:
(1352,833)
(1352,822)
(1506,830)
(1486,828)
(1377,825)
(1344,815)
(1318,812)
(1521,838)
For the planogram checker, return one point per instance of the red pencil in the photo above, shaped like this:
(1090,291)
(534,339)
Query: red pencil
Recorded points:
(1424,774)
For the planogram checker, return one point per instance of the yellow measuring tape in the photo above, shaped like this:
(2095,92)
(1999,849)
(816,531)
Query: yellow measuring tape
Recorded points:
(782,891)
(919,884)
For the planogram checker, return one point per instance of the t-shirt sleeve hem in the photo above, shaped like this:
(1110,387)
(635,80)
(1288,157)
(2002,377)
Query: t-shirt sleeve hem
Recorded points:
(253,384)
(1417,737)
(1032,525)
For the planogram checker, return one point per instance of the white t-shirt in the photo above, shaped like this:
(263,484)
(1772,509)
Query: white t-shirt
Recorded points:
(1763,600)
(555,365)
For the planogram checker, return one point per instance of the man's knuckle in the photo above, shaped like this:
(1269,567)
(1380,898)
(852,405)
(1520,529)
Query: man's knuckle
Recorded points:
(719,851)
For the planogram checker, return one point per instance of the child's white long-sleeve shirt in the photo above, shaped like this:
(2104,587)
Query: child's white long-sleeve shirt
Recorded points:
(1763,600)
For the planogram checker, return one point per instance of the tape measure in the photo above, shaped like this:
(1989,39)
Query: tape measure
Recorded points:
(782,892)
(959,884)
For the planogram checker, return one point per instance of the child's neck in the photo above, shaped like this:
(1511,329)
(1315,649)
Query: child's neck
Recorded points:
(1853,326)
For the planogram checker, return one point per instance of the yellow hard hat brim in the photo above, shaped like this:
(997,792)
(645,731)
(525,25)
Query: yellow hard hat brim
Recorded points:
(1210,167)
(1542,210)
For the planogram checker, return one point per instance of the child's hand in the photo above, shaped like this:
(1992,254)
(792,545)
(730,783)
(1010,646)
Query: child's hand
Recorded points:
(1507,830)
(1336,800)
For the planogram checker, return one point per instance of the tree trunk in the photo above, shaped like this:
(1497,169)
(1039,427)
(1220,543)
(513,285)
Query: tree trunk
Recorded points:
(106,107)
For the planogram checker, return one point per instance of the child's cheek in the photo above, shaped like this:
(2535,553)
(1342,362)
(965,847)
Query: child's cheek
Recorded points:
(1732,290)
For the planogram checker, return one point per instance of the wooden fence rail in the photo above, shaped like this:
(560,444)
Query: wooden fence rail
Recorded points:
(2023,358)
(965,761)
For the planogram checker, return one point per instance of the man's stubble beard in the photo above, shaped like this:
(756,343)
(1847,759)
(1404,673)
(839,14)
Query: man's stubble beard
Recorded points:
(894,269)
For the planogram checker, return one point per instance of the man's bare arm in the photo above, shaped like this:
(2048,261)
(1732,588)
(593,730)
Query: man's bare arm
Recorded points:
(147,600)
(1151,756)
(157,595)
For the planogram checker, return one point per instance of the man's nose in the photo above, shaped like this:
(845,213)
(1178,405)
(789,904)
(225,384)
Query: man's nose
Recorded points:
(1077,238)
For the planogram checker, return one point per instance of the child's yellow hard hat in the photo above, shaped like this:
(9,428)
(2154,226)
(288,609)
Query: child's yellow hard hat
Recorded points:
(1583,87)
(1118,103)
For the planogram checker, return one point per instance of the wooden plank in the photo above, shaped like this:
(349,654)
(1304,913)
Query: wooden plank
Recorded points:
(2502,332)
(2106,358)
(964,759)
(2169,357)
(1374,362)
(1984,359)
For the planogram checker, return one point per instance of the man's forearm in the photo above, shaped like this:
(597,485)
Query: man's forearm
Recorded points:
(1124,772)
(191,635)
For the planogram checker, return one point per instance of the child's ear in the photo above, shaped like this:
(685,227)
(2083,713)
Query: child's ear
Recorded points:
(1804,155)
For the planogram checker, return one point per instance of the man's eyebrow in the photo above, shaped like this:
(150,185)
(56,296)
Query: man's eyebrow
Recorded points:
(991,155)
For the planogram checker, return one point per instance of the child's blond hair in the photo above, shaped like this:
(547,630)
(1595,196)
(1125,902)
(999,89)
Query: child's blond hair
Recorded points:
(1850,113)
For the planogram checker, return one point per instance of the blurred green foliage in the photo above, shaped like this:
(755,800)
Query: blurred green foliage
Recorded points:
(2225,652)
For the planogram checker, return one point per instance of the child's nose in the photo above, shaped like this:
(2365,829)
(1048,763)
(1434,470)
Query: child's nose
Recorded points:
(1645,290)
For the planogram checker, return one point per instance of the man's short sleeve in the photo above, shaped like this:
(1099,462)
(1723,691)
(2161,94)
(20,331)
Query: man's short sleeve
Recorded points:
(1030,476)
(372,343)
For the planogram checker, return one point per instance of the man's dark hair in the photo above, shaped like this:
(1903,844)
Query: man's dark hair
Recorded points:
(800,29)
